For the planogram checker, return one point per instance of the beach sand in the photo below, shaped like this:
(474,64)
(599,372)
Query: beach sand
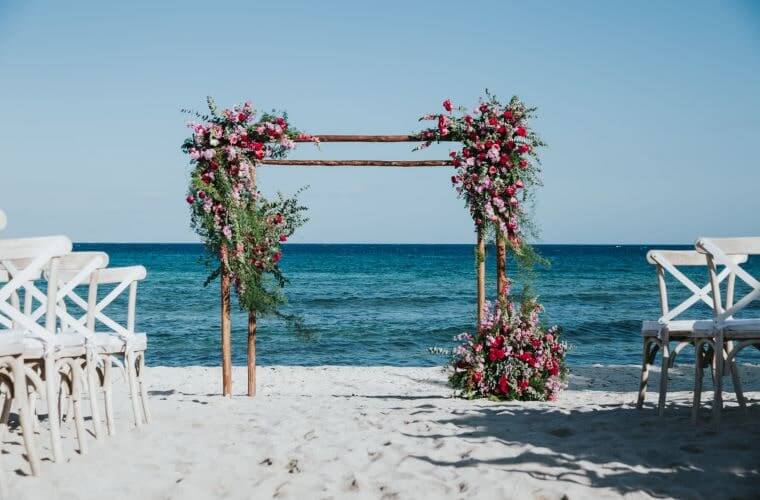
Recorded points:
(382,432)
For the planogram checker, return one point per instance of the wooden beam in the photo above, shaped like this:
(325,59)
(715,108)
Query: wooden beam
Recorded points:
(251,353)
(226,327)
(358,163)
(480,259)
(360,138)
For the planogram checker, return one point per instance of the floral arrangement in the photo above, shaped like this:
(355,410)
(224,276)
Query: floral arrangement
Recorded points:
(512,356)
(497,165)
(241,230)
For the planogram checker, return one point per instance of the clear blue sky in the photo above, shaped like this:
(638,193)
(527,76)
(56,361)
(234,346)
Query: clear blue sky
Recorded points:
(651,111)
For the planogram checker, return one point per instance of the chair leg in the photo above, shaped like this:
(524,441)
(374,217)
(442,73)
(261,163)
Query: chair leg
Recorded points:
(51,394)
(718,379)
(665,362)
(699,374)
(108,394)
(129,361)
(143,386)
(33,397)
(25,417)
(737,386)
(645,362)
(76,398)
(92,386)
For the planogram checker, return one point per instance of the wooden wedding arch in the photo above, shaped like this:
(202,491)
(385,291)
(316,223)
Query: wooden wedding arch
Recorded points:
(226,323)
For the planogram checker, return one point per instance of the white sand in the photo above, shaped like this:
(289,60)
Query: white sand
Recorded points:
(346,432)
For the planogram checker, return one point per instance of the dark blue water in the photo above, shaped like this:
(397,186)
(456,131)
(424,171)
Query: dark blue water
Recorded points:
(387,304)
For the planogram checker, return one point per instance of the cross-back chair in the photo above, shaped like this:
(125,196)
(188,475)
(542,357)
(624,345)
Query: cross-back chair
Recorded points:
(47,357)
(730,335)
(118,344)
(671,326)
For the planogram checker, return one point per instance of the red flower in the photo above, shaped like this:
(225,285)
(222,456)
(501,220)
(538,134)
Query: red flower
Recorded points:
(201,194)
(502,129)
(283,238)
(190,199)
(447,105)
(493,121)
(504,159)
(521,131)
(507,115)
(504,384)
(496,354)
(276,257)
(454,179)
(466,152)
(523,163)
(457,162)
(523,384)
(492,170)
(483,108)
(468,119)
(477,377)
(524,148)
(498,341)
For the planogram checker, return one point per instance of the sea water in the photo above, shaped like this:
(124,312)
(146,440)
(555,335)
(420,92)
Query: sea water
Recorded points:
(389,304)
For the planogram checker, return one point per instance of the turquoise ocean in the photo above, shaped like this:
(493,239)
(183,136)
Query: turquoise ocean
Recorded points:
(389,304)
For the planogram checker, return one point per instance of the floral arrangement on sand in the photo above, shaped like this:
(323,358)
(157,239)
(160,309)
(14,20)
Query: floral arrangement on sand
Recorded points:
(511,355)
(241,229)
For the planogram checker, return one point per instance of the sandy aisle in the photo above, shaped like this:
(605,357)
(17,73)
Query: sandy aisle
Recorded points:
(333,432)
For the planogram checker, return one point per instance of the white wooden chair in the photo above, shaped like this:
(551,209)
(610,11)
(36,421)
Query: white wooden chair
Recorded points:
(116,344)
(119,343)
(47,357)
(729,335)
(670,326)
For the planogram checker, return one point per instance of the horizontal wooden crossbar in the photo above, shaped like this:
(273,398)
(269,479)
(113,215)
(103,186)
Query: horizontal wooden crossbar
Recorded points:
(358,163)
(360,138)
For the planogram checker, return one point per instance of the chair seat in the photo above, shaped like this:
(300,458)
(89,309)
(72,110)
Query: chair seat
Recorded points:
(11,343)
(678,328)
(108,343)
(71,345)
(733,328)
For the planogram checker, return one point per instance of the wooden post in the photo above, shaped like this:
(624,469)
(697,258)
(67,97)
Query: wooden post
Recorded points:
(480,259)
(501,267)
(226,327)
(252,353)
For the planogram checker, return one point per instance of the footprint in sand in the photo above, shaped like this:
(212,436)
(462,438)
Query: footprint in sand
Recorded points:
(293,466)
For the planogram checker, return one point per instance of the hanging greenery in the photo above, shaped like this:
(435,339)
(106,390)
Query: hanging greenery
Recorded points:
(241,230)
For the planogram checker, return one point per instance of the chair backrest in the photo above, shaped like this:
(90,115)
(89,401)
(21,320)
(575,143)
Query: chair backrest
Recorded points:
(668,261)
(723,251)
(22,260)
(123,278)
